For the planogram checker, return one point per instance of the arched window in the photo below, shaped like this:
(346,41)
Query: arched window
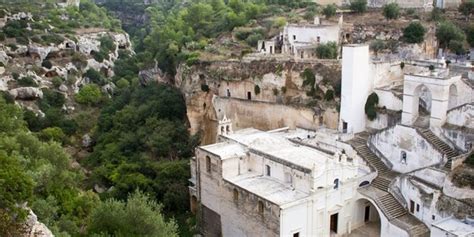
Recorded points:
(336,183)
(236,195)
(260,207)
(222,130)
(208,164)
(227,128)
(228,93)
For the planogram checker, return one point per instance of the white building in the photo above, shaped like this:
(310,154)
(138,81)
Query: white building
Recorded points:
(301,40)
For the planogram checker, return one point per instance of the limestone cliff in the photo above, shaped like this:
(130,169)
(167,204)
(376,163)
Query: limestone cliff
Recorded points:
(260,93)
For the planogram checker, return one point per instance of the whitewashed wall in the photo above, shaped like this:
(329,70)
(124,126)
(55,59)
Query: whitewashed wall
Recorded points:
(393,141)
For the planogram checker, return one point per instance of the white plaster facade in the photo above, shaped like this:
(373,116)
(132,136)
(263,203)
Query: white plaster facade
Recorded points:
(357,84)
(438,85)
(263,184)
(300,40)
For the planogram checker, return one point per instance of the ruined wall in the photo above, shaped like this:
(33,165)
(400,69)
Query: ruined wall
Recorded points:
(419,153)
(280,83)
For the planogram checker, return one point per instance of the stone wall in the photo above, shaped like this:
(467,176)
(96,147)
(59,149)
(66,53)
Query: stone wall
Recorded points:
(419,153)
(267,116)
(280,85)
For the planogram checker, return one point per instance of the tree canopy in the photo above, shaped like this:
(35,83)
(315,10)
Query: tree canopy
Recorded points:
(414,33)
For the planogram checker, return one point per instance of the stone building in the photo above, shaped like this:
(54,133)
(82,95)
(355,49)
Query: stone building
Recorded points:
(301,40)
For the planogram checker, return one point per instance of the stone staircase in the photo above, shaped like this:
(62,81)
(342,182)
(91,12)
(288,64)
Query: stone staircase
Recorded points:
(440,145)
(378,190)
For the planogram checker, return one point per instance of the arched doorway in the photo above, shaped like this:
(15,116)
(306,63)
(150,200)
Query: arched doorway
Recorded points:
(422,106)
(366,219)
(453,96)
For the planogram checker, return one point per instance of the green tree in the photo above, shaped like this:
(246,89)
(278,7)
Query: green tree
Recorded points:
(358,6)
(327,50)
(414,33)
(329,10)
(377,46)
(456,47)
(448,32)
(470,35)
(139,216)
(370,106)
(391,11)
(467,8)
(89,94)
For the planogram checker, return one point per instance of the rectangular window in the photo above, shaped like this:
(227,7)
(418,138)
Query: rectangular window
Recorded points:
(412,206)
(297,234)
(208,164)
(294,37)
(417,207)
(268,170)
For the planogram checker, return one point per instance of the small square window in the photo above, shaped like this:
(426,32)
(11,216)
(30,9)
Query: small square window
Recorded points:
(433,217)
(297,234)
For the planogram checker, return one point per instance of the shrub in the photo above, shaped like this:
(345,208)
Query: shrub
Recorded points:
(22,40)
(327,50)
(414,33)
(329,10)
(410,12)
(377,46)
(57,81)
(470,160)
(309,79)
(275,91)
(279,22)
(467,8)
(456,47)
(79,60)
(359,6)
(13,47)
(52,134)
(329,95)
(253,39)
(107,44)
(95,76)
(391,11)
(470,35)
(122,83)
(27,81)
(15,75)
(89,94)
(52,39)
(370,106)
(37,39)
(436,14)
(448,32)
(2,36)
(205,88)
(47,64)
(256,89)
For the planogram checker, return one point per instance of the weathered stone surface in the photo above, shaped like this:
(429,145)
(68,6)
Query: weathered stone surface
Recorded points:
(4,57)
(26,93)
(34,228)
(87,141)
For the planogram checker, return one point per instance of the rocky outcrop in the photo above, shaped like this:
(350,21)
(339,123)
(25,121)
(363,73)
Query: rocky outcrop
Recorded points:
(34,228)
(26,93)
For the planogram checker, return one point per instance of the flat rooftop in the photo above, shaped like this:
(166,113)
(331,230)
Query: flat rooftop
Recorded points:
(267,188)
(455,226)
(226,150)
(280,147)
